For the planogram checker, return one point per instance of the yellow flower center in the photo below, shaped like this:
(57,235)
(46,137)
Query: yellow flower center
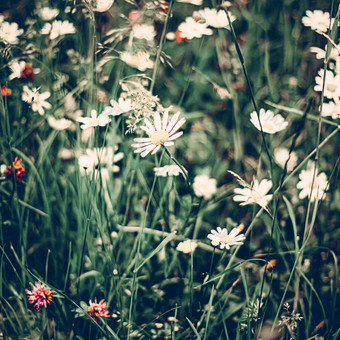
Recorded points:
(255,196)
(226,239)
(267,126)
(159,137)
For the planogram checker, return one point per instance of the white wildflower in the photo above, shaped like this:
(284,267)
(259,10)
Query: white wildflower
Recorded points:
(168,170)
(214,18)
(270,123)
(9,32)
(58,28)
(193,29)
(317,20)
(144,31)
(94,120)
(187,246)
(281,156)
(47,13)
(332,84)
(36,99)
(140,61)
(222,238)
(204,186)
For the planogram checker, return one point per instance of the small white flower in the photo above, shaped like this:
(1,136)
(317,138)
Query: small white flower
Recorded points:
(332,84)
(321,53)
(16,68)
(38,100)
(257,194)
(162,133)
(270,123)
(192,2)
(168,170)
(331,109)
(317,20)
(9,32)
(306,179)
(94,120)
(224,239)
(58,28)
(144,31)
(117,108)
(204,186)
(187,246)
(193,29)
(140,61)
(281,156)
(102,5)
(214,18)
(59,124)
(47,13)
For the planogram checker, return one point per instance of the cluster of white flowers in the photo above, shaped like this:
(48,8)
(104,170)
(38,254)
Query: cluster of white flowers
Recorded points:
(58,28)
(321,21)
(9,31)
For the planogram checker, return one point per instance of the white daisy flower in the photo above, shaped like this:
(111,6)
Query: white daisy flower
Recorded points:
(162,133)
(144,31)
(270,123)
(140,61)
(204,186)
(59,124)
(281,156)
(321,53)
(16,68)
(36,99)
(94,120)
(224,239)
(214,18)
(58,28)
(257,194)
(317,20)
(331,109)
(102,5)
(117,108)
(168,170)
(193,29)
(332,84)
(192,2)
(187,246)
(306,180)
(47,13)
(9,32)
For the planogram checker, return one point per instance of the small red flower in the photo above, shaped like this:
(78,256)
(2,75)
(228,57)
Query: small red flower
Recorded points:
(180,37)
(133,15)
(40,295)
(28,72)
(16,168)
(6,91)
(96,310)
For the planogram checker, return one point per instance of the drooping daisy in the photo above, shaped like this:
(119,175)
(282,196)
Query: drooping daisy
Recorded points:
(257,194)
(222,238)
(204,186)
(331,109)
(9,32)
(193,29)
(140,60)
(306,180)
(317,20)
(94,120)
(162,133)
(118,108)
(36,99)
(40,295)
(168,170)
(144,31)
(281,156)
(97,310)
(270,123)
(187,246)
(332,84)
(58,28)
(214,18)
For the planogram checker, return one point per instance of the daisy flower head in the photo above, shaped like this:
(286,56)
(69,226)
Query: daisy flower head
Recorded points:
(204,186)
(140,60)
(214,18)
(40,295)
(192,2)
(256,194)
(223,239)
(47,13)
(331,109)
(58,28)
(308,187)
(96,310)
(193,29)
(118,108)
(270,123)
(163,132)
(282,155)
(59,124)
(168,170)
(94,120)
(36,99)
(332,84)
(9,32)
(317,20)
(187,246)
